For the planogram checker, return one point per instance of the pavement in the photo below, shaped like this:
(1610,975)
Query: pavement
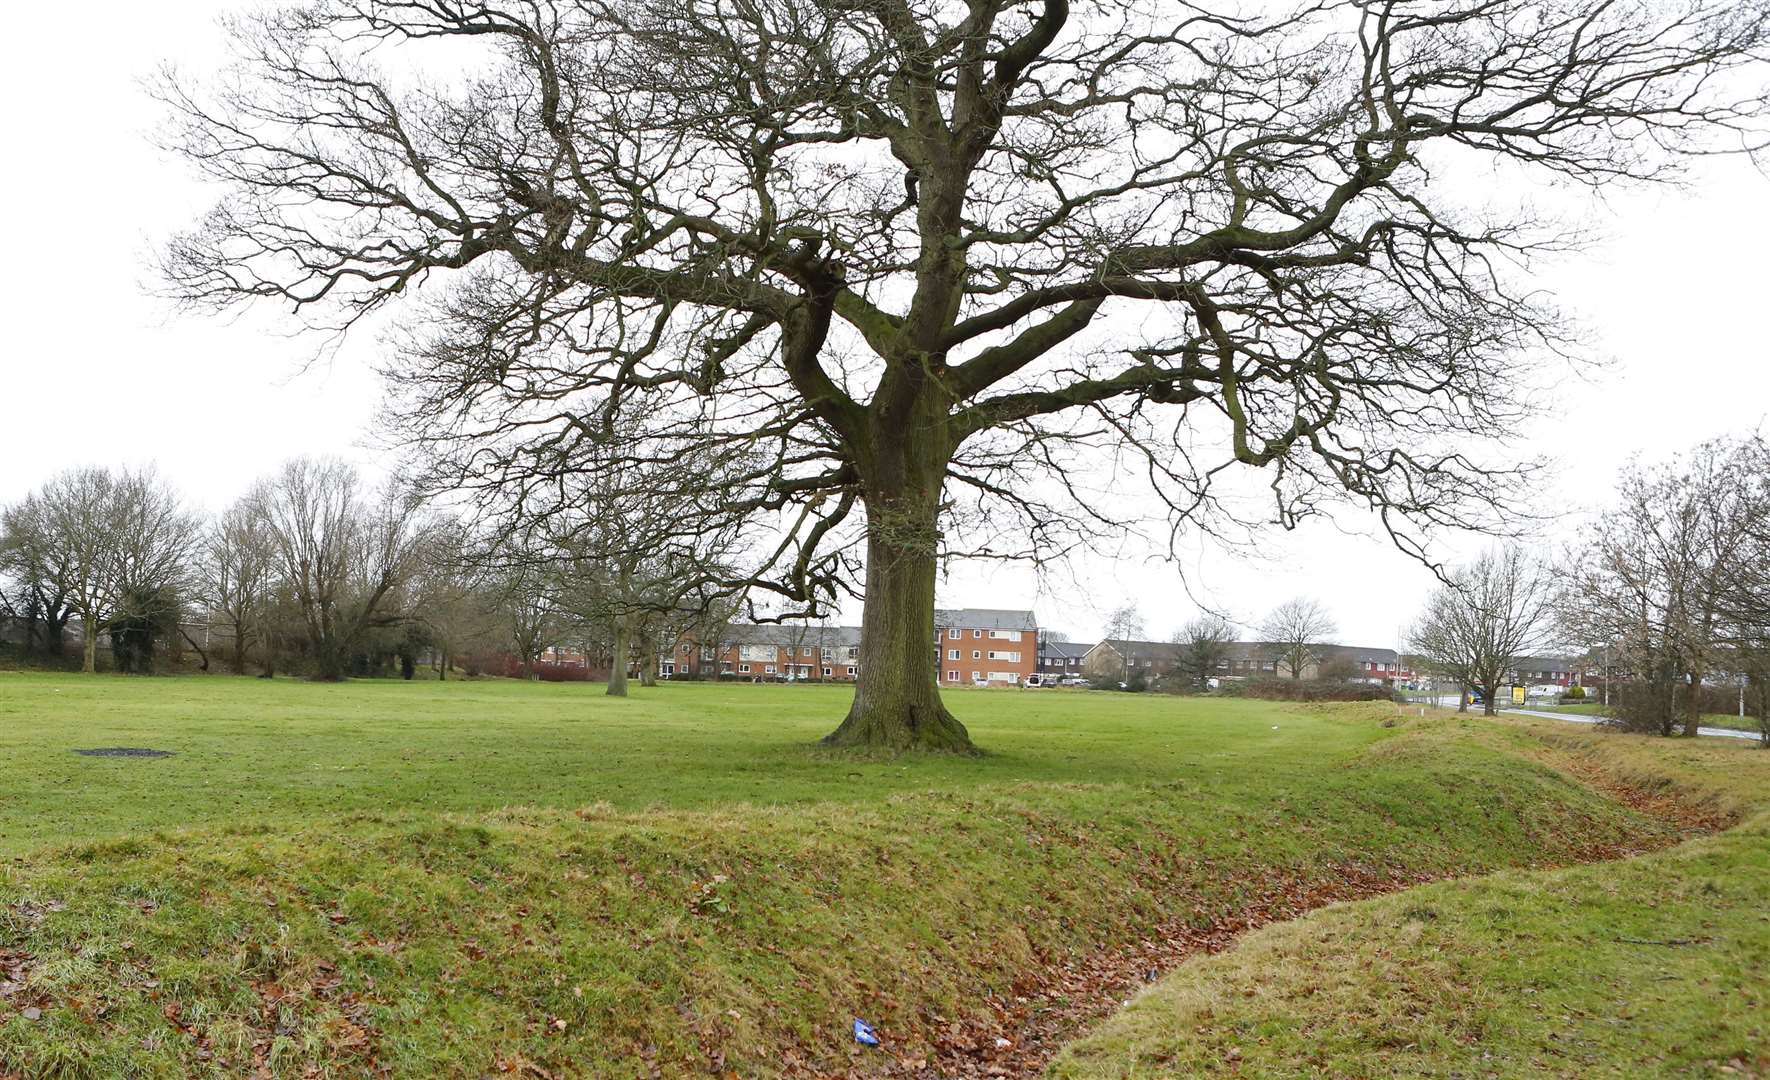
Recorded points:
(1573,718)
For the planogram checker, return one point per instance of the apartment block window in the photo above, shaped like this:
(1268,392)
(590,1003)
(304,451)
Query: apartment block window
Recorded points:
(1011,657)
(952,676)
(977,676)
(977,654)
(954,633)
(1005,635)
(977,633)
(826,673)
(952,654)
(744,669)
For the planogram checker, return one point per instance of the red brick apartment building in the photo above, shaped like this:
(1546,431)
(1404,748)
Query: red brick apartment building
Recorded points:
(972,647)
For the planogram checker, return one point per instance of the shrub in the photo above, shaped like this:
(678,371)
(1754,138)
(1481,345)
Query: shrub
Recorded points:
(1306,690)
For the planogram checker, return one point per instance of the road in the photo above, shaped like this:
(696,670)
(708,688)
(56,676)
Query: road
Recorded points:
(1572,718)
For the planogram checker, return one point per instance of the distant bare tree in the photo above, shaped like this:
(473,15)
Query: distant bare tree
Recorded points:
(36,577)
(235,579)
(122,544)
(1490,613)
(1202,646)
(1125,623)
(921,256)
(341,553)
(1295,633)
(1672,580)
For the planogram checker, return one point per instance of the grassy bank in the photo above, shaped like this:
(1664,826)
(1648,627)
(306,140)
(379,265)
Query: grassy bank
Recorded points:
(1731,721)
(462,880)
(1654,966)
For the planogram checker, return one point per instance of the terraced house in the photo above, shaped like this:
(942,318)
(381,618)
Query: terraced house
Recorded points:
(973,647)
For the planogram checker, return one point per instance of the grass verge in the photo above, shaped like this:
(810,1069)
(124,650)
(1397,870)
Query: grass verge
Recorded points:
(1653,966)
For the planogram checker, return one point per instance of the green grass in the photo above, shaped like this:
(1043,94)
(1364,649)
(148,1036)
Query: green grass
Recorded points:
(1731,721)
(1652,966)
(467,879)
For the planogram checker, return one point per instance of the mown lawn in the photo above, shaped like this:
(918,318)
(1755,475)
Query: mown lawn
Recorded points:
(1657,966)
(502,878)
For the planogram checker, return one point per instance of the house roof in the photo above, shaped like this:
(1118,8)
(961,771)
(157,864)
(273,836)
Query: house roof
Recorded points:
(790,635)
(985,619)
(1064,649)
(1246,650)
(1543,663)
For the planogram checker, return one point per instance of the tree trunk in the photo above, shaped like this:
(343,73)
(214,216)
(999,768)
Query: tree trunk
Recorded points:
(90,663)
(1462,697)
(617,664)
(896,698)
(238,662)
(1490,707)
(1693,706)
(648,666)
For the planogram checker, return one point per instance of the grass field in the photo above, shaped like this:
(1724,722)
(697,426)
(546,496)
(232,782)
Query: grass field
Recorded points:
(1657,966)
(503,878)
(1732,721)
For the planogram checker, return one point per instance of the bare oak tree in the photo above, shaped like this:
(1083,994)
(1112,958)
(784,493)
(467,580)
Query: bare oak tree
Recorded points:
(1202,647)
(235,580)
(1294,633)
(342,554)
(1488,615)
(922,251)
(1672,579)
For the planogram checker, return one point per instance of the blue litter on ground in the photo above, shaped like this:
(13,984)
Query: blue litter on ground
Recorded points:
(864,1033)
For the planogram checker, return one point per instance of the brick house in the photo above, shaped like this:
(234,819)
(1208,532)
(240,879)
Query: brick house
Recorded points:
(985,646)
(792,651)
(1061,658)
(1243,660)
(973,647)
(1545,671)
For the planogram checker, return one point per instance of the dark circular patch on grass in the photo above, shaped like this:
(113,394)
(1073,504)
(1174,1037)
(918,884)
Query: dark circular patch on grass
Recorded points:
(123,751)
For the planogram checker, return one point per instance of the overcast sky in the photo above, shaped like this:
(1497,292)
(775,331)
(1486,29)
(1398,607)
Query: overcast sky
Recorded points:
(97,371)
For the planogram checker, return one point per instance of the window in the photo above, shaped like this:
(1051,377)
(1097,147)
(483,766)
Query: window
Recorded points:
(826,673)
(1005,635)
(667,668)
(977,676)
(952,654)
(977,654)
(769,670)
(756,652)
(805,653)
(977,633)
(686,647)
(1011,657)
(706,652)
(954,633)
(952,676)
(853,654)
(826,652)
(1003,676)
(744,668)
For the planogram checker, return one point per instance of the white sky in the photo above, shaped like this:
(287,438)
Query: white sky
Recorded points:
(96,371)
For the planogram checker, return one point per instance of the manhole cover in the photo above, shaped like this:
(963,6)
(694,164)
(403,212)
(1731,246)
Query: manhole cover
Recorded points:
(123,751)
